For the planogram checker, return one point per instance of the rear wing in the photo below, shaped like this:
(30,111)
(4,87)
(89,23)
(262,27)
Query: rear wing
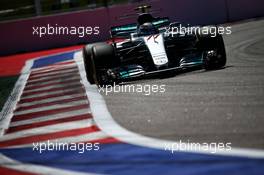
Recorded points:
(126,30)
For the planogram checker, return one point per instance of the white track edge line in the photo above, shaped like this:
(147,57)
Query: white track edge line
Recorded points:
(5,118)
(35,169)
(10,105)
(106,123)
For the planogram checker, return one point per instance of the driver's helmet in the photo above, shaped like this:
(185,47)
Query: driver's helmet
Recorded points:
(147,29)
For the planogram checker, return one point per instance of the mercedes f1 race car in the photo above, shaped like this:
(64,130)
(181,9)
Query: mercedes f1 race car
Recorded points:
(151,46)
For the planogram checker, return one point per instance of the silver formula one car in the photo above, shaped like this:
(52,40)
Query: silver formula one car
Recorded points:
(150,46)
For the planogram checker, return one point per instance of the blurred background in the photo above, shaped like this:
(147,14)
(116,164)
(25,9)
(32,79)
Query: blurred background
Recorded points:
(15,9)
(18,17)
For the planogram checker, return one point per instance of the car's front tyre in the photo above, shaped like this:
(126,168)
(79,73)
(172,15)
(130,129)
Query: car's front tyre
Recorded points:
(101,59)
(87,59)
(214,52)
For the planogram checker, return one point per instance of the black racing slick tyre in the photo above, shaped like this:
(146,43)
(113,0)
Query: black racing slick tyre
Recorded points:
(214,52)
(88,64)
(103,58)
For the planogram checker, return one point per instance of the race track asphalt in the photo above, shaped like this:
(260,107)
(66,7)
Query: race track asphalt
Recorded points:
(224,105)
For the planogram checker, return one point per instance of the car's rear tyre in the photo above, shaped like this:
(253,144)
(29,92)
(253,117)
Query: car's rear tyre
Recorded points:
(214,52)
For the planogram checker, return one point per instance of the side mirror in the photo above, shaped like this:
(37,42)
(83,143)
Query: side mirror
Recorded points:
(133,36)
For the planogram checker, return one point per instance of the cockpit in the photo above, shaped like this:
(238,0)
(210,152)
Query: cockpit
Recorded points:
(147,29)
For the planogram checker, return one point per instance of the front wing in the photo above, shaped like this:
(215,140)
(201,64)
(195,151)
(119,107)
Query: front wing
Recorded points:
(130,72)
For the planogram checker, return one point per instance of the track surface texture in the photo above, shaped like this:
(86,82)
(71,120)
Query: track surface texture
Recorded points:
(224,105)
